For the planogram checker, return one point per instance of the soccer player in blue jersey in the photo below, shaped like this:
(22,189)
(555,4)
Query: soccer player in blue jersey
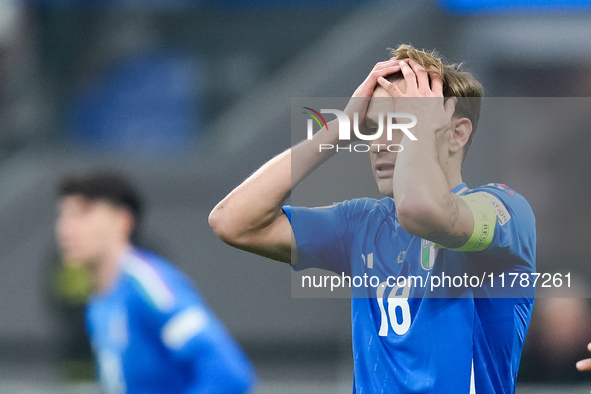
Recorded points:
(150,330)
(406,337)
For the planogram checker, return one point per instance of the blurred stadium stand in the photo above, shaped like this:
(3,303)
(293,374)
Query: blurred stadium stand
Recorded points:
(145,105)
(110,83)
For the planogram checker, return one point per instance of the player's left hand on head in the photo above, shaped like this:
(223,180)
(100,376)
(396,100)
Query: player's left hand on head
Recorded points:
(360,98)
(419,82)
(426,87)
(585,365)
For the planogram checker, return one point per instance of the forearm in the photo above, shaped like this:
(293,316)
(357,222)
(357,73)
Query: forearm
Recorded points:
(424,202)
(418,177)
(250,217)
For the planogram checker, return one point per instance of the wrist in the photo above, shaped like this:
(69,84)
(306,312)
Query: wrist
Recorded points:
(330,135)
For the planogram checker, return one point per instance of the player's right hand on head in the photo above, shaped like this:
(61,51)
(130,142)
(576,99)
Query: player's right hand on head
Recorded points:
(360,98)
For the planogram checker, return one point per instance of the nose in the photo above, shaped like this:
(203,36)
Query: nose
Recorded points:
(376,147)
(381,137)
(380,143)
(389,149)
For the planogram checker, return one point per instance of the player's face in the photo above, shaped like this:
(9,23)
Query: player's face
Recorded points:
(85,228)
(382,159)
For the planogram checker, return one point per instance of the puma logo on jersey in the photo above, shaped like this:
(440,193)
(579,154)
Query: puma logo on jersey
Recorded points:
(368,262)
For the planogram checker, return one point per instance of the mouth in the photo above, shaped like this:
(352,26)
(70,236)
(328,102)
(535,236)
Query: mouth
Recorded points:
(384,170)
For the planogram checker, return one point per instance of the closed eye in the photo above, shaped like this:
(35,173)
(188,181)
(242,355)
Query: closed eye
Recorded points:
(369,127)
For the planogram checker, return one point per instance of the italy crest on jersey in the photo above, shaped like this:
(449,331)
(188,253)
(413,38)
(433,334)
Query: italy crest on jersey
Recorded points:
(428,254)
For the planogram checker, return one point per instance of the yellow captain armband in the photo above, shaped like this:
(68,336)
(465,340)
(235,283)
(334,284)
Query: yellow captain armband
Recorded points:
(485,220)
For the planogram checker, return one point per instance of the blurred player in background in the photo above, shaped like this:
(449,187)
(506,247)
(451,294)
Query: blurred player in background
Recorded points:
(404,339)
(150,330)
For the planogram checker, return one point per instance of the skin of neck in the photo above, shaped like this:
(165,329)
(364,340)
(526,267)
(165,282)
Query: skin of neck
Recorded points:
(452,169)
(105,269)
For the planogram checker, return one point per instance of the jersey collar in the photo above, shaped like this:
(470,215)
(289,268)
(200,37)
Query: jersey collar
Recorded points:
(459,189)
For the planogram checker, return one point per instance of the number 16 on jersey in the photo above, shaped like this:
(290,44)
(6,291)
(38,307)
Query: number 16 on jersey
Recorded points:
(398,309)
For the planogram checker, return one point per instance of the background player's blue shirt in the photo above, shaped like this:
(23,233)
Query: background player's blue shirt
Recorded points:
(408,340)
(152,333)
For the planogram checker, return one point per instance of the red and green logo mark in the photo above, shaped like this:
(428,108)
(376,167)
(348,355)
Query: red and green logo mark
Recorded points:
(317,116)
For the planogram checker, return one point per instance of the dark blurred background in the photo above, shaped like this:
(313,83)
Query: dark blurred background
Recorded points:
(189,97)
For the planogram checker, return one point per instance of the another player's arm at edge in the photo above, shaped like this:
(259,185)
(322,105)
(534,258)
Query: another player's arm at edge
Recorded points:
(251,217)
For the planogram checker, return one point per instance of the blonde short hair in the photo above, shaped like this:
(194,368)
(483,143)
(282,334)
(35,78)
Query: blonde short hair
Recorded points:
(456,83)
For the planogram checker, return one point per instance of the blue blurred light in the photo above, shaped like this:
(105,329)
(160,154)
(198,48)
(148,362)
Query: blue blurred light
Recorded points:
(143,104)
(514,6)
(175,4)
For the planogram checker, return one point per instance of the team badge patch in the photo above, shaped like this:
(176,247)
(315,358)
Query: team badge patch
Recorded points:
(428,254)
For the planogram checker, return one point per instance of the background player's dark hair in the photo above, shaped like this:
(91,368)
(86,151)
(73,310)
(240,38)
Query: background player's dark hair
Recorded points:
(106,186)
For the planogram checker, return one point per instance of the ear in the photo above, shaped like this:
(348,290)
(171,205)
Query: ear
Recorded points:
(461,131)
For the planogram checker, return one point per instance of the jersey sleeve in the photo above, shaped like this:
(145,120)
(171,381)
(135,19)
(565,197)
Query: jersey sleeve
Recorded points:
(178,318)
(323,235)
(515,230)
(504,225)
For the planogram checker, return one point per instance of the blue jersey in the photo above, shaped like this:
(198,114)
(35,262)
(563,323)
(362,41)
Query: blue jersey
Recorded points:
(411,337)
(152,333)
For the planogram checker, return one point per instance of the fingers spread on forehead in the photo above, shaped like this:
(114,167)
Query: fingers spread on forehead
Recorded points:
(436,83)
(415,65)
(390,87)
(384,72)
(421,75)
(409,77)
(386,64)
